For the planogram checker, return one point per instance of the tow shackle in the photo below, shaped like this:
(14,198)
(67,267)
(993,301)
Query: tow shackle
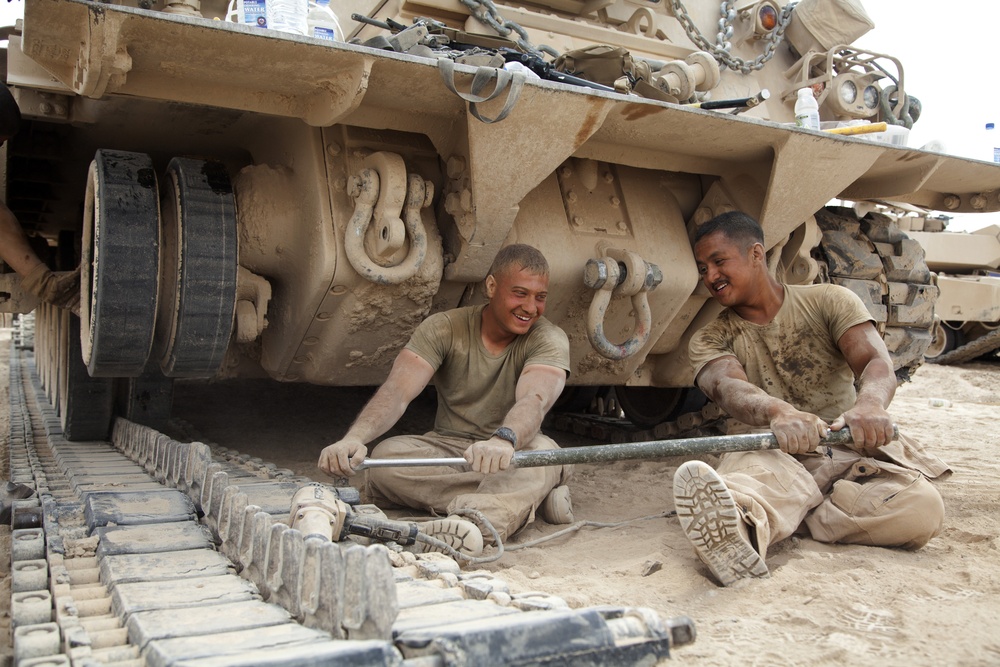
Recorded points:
(384,194)
(620,273)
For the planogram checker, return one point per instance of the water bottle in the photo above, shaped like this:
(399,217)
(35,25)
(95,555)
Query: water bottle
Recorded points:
(288,15)
(249,12)
(806,109)
(322,22)
(993,150)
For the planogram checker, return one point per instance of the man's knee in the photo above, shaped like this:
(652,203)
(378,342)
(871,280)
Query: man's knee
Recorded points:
(886,512)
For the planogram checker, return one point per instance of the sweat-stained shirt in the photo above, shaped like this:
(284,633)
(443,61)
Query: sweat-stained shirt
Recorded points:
(475,388)
(795,356)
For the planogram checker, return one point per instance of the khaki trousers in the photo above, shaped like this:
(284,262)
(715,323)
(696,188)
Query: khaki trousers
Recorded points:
(508,498)
(842,497)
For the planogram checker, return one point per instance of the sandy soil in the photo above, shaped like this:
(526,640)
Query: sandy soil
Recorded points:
(823,604)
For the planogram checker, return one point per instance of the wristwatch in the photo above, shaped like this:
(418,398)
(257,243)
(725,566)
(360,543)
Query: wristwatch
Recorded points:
(507,434)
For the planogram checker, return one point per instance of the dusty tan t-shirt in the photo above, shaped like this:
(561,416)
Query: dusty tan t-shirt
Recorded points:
(794,357)
(475,388)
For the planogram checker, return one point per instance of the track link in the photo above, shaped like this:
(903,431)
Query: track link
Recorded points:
(151,551)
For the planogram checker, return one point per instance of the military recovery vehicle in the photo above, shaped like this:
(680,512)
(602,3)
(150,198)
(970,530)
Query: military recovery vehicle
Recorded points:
(249,203)
(245,202)
(967,313)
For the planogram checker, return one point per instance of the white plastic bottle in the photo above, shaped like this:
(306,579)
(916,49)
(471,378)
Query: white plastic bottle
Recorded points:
(249,12)
(288,15)
(806,109)
(322,22)
(992,143)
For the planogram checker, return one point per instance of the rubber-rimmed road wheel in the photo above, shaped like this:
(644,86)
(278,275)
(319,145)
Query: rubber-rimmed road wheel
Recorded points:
(119,269)
(199,261)
(86,404)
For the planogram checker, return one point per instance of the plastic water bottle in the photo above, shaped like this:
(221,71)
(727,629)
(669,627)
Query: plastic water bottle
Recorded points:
(249,12)
(991,141)
(288,15)
(806,109)
(322,22)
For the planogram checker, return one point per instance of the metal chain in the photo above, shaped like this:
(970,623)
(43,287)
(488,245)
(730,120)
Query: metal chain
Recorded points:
(721,49)
(485,11)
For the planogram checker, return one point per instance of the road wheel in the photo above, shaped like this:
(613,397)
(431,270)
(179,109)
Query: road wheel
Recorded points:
(944,339)
(648,406)
(119,268)
(199,262)
(883,266)
(86,404)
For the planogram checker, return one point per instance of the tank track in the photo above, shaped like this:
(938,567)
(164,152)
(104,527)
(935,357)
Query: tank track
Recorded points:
(973,350)
(151,551)
(710,420)
(874,259)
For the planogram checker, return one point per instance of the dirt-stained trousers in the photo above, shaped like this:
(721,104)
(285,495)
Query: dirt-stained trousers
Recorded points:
(508,498)
(840,495)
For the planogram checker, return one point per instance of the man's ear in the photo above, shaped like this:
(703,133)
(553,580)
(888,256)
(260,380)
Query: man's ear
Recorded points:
(491,286)
(757,252)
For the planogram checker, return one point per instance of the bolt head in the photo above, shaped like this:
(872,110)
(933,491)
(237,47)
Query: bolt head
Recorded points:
(595,274)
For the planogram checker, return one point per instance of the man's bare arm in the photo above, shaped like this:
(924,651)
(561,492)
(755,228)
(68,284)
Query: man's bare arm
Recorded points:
(14,246)
(409,376)
(870,424)
(725,381)
(537,389)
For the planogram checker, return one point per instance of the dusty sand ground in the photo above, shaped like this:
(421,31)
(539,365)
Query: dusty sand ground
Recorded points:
(823,604)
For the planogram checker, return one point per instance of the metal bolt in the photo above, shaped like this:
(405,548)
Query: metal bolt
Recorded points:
(615,201)
(333,149)
(595,274)
(951,202)
(978,202)
(45,108)
(609,177)
(622,226)
(566,170)
(577,221)
(654,276)
(571,196)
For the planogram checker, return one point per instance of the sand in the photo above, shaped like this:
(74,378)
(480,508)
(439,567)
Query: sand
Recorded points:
(822,605)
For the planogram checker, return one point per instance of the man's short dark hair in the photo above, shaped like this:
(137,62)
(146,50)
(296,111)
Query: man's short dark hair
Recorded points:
(736,225)
(519,256)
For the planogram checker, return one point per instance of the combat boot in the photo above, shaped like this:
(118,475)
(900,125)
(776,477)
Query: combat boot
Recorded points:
(459,534)
(714,524)
(557,508)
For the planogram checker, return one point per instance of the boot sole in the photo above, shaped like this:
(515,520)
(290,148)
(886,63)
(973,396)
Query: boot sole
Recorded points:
(709,517)
(460,535)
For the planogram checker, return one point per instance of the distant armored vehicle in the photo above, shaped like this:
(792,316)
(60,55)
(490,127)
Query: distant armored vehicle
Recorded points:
(967,313)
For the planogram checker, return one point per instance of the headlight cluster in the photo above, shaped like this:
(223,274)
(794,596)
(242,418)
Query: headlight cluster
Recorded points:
(854,95)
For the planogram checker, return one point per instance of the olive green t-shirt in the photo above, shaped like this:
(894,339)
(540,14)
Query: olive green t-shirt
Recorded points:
(795,356)
(475,388)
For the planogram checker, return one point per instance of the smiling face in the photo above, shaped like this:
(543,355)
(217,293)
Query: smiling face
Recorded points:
(730,270)
(517,299)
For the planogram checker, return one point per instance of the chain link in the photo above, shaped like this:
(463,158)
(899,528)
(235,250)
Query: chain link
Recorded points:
(485,11)
(721,49)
